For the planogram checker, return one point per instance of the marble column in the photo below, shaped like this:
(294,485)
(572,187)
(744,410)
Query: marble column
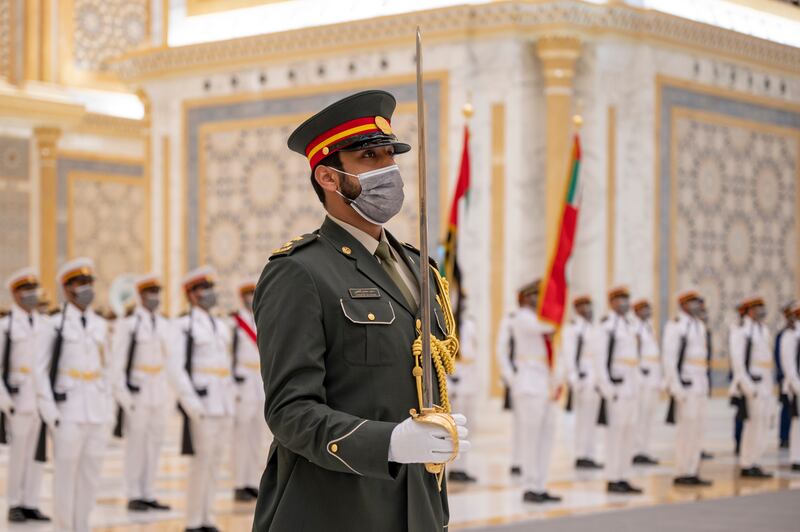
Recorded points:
(558,55)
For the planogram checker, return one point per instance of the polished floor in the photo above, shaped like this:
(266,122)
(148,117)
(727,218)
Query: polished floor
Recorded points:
(496,499)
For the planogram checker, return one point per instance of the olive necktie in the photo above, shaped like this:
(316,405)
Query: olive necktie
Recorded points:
(389,265)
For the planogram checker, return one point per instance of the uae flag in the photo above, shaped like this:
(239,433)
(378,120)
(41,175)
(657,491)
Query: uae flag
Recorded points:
(552,301)
(450,266)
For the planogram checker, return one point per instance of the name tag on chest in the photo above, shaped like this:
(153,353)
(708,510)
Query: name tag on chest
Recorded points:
(364,293)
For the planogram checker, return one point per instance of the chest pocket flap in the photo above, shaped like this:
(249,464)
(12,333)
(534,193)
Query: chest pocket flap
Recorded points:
(368,312)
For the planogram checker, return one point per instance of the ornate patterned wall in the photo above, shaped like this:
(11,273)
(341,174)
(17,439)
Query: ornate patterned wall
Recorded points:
(6,38)
(729,178)
(104,215)
(247,194)
(100,30)
(14,208)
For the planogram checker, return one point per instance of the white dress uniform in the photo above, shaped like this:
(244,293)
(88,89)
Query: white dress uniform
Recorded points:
(24,473)
(251,435)
(651,384)
(462,387)
(689,387)
(532,389)
(757,383)
(81,422)
(505,355)
(620,389)
(208,397)
(580,333)
(790,362)
(143,397)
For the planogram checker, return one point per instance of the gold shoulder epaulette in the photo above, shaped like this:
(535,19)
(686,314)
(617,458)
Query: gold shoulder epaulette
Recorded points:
(294,244)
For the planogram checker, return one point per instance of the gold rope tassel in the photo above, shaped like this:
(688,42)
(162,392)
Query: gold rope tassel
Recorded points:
(443,354)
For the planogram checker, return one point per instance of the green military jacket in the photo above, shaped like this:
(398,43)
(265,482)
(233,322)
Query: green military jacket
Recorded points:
(335,336)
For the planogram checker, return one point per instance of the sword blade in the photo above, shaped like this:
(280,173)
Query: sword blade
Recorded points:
(425,278)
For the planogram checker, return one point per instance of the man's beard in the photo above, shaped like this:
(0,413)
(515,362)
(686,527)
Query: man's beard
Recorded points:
(349,189)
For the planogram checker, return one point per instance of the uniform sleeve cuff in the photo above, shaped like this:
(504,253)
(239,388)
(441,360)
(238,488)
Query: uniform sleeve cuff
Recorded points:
(364,450)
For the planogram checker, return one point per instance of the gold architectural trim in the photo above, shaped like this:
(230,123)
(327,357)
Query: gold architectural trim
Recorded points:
(45,32)
(111,126)
(508,17)
(31,68)
(166,223)
(498,217)
(713,90)
(17,105)
(94,156)
(441,76)
(204,7)
(46,146)
(164,23)
(611,193)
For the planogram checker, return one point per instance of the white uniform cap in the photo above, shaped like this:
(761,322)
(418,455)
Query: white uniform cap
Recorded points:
(75,268)
(22,277)
(147,280)
(202,274)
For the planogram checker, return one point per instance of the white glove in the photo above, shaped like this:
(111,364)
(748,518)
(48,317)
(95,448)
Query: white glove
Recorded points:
(50,414)
(6,405)
(678,392)
(193,407)
(413,442)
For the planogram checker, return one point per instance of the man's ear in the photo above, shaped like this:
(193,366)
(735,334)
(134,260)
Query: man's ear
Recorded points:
(327,178)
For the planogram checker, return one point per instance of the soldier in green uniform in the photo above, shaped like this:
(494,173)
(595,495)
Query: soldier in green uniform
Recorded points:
(336,312)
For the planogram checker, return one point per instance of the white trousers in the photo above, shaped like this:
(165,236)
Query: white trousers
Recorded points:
(756,432)
(794,441)
(209,435)
(251,444)
(78,457)
(517,437)
(144,434)
(537,426)
(463,404)
(620,435)
(586,403)
(690,419)
(648,406)
(24,473)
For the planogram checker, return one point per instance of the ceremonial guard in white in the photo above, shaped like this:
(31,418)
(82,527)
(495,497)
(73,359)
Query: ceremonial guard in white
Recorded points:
(251,435)
(139,350)
(790,361)
(753,380)
(534,393)
(200,371)
(617,370)
(686,371)
(651,381)
(19,426)
(578,346)
(74,396)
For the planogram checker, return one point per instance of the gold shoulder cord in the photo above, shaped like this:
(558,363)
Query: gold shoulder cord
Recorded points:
(443,353)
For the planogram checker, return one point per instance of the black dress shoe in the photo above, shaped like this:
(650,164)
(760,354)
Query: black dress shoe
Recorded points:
(707,456)
(460,476)
(16,515)
(641,459)
(532,496)
(155,505)
(583,463)
(516,471)
(252,491)
(551,498)
(242,495)
(755,472)
(138,505)
(33,514)
(210,529)
(615,487)
(691,481)
(795,467)
(631,490)
(196,529)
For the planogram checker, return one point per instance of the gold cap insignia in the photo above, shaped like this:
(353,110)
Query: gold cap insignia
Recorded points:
(383,125)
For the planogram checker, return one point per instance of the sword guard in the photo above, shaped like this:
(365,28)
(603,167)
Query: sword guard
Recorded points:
(438,417)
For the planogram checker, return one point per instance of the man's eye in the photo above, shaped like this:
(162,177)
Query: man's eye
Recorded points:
(369,154)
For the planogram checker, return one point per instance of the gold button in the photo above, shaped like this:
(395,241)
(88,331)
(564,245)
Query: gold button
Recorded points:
(371,316)
(325,150)
(334,448)
(346,250)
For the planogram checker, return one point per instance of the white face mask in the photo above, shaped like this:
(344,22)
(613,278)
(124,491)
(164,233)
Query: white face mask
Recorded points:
(381,195)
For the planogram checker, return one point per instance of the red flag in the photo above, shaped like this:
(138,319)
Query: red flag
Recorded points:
(552,301)
(450,263)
